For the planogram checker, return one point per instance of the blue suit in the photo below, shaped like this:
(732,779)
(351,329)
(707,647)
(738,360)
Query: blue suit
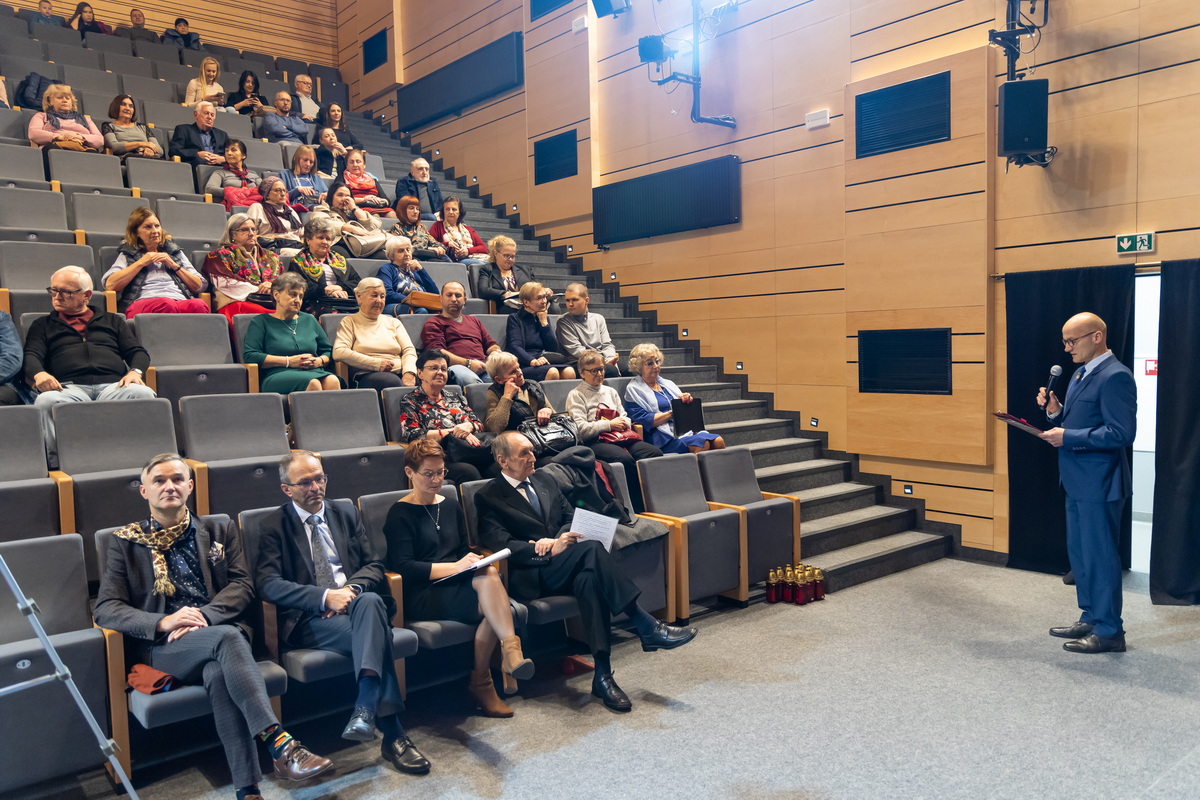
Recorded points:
(1099,420)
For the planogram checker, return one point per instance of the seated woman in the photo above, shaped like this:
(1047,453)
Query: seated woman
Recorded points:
(409,225)
(462,242)
(279,226)
(530,337)
(607,435)
(234,175)
(305,186)
(512,400)
(205,87)
(373,344)
(428,412)
(368,194)
(426,541)
(246,100)
(240,270)
(124,136)
(500,281)
(60,125)
(332,116)
(331,155)
(360,235)
(151,273)
(329,280)
(402,276)
(648,398)
(84,20)
(288,345)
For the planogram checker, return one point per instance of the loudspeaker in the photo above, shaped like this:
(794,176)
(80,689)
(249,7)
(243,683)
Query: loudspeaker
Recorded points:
(1022,117)
(606,7)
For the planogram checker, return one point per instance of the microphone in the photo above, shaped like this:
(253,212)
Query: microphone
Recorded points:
(1055,371)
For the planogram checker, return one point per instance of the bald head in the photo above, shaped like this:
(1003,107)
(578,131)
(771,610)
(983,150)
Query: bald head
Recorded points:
(1085,336)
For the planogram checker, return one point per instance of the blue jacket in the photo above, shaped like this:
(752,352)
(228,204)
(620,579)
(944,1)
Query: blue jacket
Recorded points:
(278,128)
(389,273)
(527,339)
(1098,423)
(11,353)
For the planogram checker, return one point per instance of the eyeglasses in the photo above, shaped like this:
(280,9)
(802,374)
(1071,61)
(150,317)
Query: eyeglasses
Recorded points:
(652,362)
(309,483)
(593,370)
(431,474)
(1071,342)
(246,229)
(506,256)
(431,368)
(50,290)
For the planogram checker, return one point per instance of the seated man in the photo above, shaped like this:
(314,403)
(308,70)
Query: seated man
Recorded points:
(183,617)
(316,565)
(138,31)
(45,15)
(200,142)
(181,36)
(525,512)
(578,330)
(282,126)
(77,353)
(420,185)
(460,337)
(10,361)
(304,105)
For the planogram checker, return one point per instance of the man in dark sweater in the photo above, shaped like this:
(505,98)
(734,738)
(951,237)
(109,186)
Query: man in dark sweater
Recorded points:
(78,353)
(460,337)
(419,183)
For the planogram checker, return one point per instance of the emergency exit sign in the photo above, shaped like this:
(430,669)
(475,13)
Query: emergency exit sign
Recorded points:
(1136,243)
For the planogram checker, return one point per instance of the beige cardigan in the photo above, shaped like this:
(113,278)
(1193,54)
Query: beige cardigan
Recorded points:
(363,343)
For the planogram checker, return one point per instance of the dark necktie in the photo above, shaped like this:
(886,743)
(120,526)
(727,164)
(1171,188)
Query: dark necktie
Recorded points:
(322,570)
(532,497)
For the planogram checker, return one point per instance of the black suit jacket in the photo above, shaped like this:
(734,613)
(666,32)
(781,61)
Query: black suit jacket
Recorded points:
(506,519)
(126,601)
(285,567)
(408,186)
(185,143)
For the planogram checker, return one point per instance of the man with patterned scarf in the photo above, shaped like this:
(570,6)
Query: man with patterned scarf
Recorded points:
(177,587)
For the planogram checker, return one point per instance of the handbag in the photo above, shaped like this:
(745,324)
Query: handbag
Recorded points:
(363,246)
(458,450)
(616,437)
(261,299)
(552,438)
(427,300)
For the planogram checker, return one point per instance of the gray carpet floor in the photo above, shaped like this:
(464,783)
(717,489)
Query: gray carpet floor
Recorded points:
(938,682)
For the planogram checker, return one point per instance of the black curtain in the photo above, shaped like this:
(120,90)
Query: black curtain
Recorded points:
(1175,542)
(1038,303)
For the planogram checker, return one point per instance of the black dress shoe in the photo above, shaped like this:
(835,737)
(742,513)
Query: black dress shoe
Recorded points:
(667,637)
(1076,631)
(604,687)
(405,756)
(1096,644)
(361,727)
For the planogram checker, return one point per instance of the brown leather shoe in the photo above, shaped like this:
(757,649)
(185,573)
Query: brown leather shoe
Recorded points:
(298,763)
(483,689)
(513,660)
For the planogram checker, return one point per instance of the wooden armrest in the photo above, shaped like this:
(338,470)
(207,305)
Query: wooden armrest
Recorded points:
(110,302)
(200,476)
(80,236)
(137,192)
(177,159)
(713,506)
(342,371)
(55,186)
(66,500)
(207,299)
(396,590)
(118,700)
(207,196)
(678,579)
(251,377)
(5,301)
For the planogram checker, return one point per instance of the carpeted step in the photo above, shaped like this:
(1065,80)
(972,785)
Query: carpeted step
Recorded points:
(712,391)
(799,475)
(624,341)
(838,531)
(755,430)
(625,324)
(783,451)
(685,373)
(851,566)
(733,410)
(836,498)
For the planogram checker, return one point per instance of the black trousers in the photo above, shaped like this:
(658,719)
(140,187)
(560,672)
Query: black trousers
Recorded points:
(626,456)
(587,571)
(220,657)
(376,380)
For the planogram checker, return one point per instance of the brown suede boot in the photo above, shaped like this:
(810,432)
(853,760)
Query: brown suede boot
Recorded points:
(513,661)
(483,690)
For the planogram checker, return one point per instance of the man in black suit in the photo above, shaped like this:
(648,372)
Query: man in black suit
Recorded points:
(420,184)
(525,512)
(177,587)
(200,142)
(316,565)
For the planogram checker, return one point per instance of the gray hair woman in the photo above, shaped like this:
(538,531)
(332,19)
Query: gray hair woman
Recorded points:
(511,399)
(241,270)
(330,279)
(402,276)
(279,225)
(375,345)
(289,346)
(648,398)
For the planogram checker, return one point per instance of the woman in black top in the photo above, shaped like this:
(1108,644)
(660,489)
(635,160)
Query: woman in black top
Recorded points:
(332,116)
(247,99)
(426,541)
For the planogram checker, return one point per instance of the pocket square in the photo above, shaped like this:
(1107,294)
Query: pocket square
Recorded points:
(216,553)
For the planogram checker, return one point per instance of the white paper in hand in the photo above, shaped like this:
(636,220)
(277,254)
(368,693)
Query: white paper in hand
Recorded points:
(591,525)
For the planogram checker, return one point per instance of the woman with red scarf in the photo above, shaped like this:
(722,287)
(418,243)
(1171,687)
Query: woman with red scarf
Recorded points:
(364,188)
(234,184)
(241,271)
(279,226)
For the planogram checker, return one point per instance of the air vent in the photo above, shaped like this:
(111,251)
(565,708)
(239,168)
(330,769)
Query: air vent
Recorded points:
(906,115)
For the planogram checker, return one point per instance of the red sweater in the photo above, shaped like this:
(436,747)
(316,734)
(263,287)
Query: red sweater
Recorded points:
(466,339)
(438,231)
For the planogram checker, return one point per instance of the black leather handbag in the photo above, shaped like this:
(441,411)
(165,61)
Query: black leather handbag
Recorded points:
(552,438)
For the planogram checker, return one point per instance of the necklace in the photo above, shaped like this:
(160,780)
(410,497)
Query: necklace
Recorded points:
(292,328)
(437,521)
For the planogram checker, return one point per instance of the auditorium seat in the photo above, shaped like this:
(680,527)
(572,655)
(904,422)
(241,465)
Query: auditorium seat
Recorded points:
(442,273)
(34,215)
(414,324)
(25,271)
(262,155)
(376,167)
(175,73)
(14,129)
(366,267)
(108,44)
(22,167)
(200,223)
(556,393)
(156,51)
(330,323)
(57,38)
(18,68)
(128,66)
(92,79)
(33,505)
(103,218)
(20,47)
(497,326)
(87,173)
(162,180)
(267,62)
(476,394)
(291,66)
(147,88)
(648,563)
(95,105)
(222,52)
(167,115)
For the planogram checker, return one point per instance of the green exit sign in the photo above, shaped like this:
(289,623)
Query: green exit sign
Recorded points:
(1136,243)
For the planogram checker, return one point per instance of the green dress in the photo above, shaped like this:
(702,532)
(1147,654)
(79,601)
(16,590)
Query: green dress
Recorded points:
(270,336)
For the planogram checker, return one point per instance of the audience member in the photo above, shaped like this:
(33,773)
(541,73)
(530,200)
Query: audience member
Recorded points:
(402,276)
(240,270)
(374,345)
(289,346)
(367,192)
(10,361)
(429,413)
(512,400)
(501,280)
(462,242)
(461,338)
(421,186)
(45,15)
(329,279)
(304,185)
(200,142)
(234,184)
(87,22)
(181,36)
(580,330)
(360,235)
(331,154)
(61,126)
(605,427)
(317,566)
(279,226)
(179,589)
(304,105)
(531,339)
(332,116)
(409,226)
(424,549)
(247,99)
(137,30)
(78,353)
(124,136)
(524,511)
(281,126)
(151,273)
(204,87)
(648,398)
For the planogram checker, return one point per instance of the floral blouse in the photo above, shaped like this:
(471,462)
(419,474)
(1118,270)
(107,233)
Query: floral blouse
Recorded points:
(419,414)
(416,233)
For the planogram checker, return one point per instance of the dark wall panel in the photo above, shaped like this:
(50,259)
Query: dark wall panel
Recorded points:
(487,72)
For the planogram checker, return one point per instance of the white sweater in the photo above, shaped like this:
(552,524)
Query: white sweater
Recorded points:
(585,400)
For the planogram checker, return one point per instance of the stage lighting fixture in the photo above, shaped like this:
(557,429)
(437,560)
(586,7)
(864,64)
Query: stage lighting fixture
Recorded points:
(653,50)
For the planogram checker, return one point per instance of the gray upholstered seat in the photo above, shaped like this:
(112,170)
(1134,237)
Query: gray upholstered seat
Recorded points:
(557,391)
(414,324)
(267,61)
(162,180)
(168,115)
(772,523)
(21,47)
(263,154)
(366,267)
(477,396)
(375,166)
(16,65)
(442,273)
(497,326)
(51,571)
(179,74)
(88,79)
(646,561)
(193,221)
(22,168)
(87,173)
(156,51)
(291,66)
(108,44)
(391,398)
(33,215)
(129,66)
(29,265)
(103,217)
(14,128)
(28,495)
(58,41)
(149,88)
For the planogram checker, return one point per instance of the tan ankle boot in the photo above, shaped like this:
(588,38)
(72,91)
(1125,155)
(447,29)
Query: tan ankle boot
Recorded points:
(513,661)
(483,690)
